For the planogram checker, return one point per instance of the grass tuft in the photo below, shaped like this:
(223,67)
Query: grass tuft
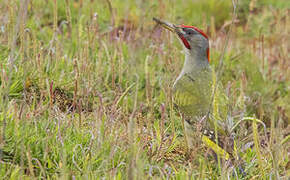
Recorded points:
(85,88)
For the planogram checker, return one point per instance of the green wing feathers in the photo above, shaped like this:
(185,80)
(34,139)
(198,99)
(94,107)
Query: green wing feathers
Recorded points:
(194,97)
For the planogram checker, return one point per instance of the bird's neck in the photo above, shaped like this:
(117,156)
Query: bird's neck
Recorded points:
(194,62)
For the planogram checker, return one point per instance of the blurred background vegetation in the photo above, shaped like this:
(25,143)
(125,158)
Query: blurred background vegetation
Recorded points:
(86,87)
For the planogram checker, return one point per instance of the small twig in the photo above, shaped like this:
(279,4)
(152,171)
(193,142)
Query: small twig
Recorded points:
(112,12)
(124,94)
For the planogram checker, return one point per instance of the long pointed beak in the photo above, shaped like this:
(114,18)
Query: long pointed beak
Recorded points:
(171,27)
(174,28)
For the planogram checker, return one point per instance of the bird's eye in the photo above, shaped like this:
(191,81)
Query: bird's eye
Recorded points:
(188,31)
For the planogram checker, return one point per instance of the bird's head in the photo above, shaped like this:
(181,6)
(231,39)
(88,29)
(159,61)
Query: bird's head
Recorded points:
(194,40)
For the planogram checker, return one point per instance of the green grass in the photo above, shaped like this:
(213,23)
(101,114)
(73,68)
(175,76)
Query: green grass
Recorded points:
(116,69)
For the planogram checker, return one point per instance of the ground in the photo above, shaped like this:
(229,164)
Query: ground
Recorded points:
(86,88)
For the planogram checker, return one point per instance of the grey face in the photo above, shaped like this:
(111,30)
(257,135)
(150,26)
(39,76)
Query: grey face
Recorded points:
(196,40)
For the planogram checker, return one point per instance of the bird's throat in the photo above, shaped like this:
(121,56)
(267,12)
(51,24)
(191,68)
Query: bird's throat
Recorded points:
(194,63)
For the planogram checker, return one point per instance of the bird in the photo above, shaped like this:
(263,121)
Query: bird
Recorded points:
(193,94)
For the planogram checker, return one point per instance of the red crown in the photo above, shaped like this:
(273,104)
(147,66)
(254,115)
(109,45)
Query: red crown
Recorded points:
(195,28)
